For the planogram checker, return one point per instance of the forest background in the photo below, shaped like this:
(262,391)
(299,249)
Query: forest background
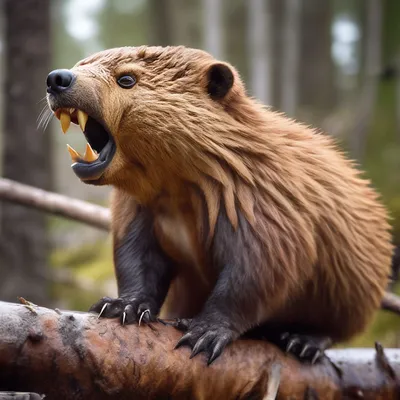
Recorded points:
(334,64)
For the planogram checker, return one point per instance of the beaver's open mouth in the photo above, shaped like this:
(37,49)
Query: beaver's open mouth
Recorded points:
(100,147)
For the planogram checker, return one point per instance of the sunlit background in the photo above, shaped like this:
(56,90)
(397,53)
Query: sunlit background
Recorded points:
(332,63)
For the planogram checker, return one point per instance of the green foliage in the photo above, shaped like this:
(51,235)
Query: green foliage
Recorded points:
(90,265)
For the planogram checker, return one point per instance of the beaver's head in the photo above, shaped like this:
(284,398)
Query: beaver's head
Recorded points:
(145,106)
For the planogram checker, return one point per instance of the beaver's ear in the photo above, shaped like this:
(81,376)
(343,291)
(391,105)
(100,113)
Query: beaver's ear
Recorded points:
(219,80)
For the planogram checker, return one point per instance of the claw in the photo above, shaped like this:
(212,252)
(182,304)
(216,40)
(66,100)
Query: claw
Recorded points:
(199,347)
(291,344)
(284,335)
(305,348)
(142,315)
(123,318)
(216,353)
(183,340)
(102,310)
(316,356)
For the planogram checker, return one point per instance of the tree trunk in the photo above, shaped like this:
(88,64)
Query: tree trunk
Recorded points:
(26,157)
(372,68)
(186,27)
(290,56)
(235,37)
(260,49)
(317,93)
(160,29)
(67,355)
(213,28)
(397,69)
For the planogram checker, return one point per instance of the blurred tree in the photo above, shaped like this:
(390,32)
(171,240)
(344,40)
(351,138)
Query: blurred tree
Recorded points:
(397,76)
(213,28)
(2,24)
(372,68)
(235,37)
(66,50)
(24,245)
(317,92)
(290,56)
(277,42)
(260,49)
(160,29)
(381,157)
(186,27)
(123,23)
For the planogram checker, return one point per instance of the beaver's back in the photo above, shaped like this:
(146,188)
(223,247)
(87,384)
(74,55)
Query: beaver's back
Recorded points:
(330,233)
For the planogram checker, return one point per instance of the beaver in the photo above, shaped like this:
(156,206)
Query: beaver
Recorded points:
(229,218)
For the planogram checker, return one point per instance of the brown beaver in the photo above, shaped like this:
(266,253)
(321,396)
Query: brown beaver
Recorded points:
(225,213)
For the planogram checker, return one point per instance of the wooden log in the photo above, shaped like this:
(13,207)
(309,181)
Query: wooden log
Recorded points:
(72,355)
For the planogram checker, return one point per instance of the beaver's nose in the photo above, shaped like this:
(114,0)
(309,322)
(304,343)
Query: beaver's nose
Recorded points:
(59,80)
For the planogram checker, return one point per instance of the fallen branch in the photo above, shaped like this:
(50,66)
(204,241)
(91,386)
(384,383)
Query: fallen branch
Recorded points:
(70,355)
(391,302)
(54,203)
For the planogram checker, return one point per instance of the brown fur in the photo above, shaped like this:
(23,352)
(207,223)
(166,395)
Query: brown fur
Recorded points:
(320,231)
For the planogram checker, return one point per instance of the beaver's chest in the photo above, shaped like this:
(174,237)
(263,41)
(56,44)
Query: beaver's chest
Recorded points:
(177,230)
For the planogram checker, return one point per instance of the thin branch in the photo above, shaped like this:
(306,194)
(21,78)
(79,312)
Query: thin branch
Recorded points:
(67,355)
(54,203)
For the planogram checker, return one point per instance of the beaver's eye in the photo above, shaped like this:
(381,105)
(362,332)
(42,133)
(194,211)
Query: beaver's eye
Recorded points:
(126,81)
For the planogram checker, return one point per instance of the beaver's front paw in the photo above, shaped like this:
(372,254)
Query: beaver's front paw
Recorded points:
(208,337)
(129,310)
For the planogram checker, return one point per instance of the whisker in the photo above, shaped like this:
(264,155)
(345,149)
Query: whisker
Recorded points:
(51,115)
(44,118)
(41,115)
(42,100)
(47,122)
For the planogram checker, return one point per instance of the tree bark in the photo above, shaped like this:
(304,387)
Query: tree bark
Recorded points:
(26,158)
(68,355)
